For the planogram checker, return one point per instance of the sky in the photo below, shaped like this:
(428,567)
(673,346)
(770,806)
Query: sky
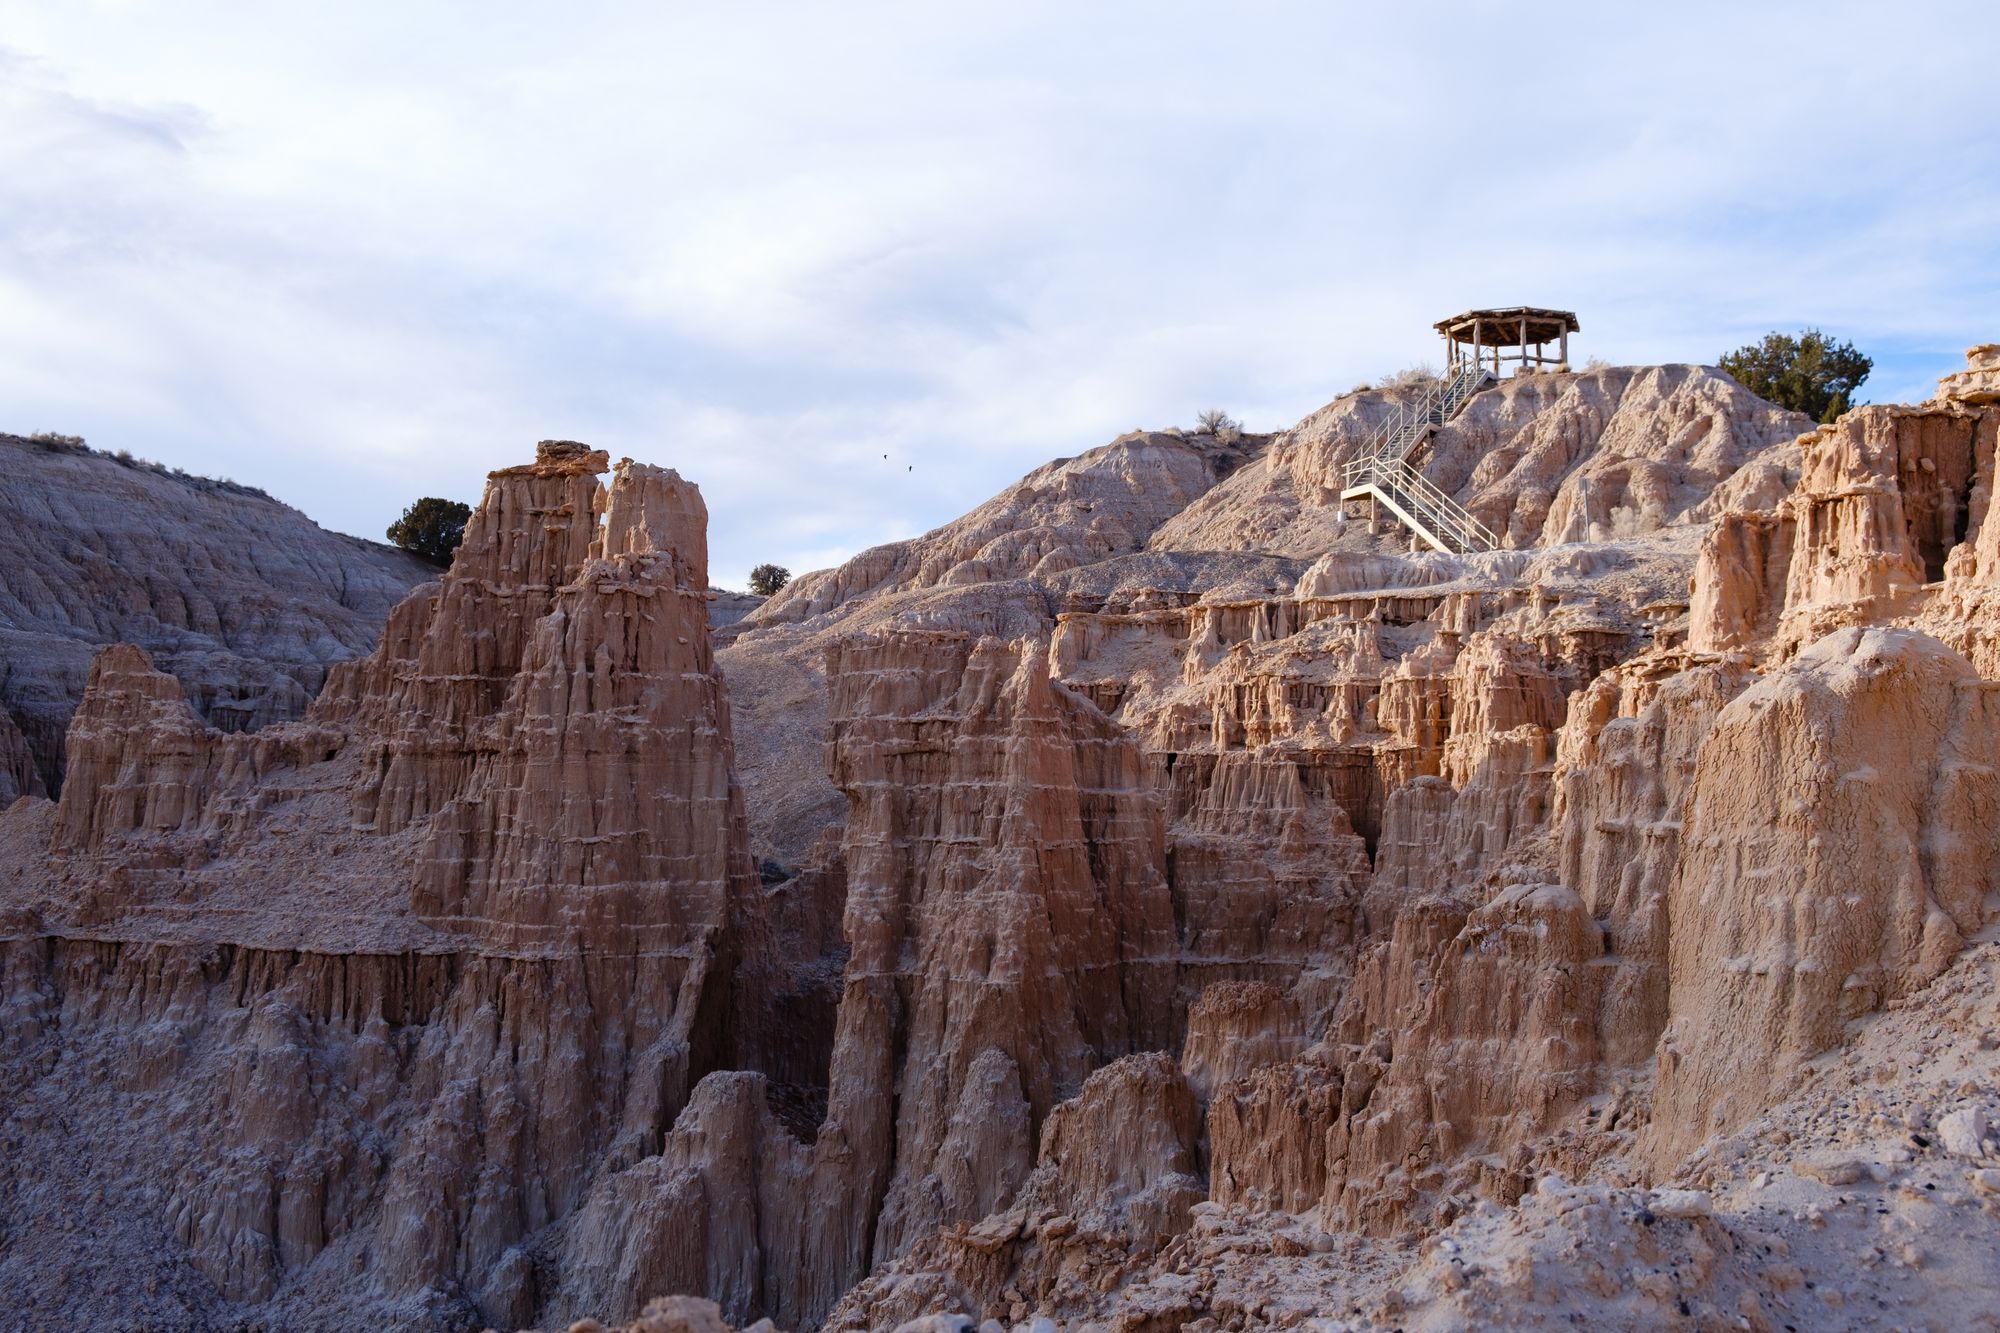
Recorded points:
(359,253)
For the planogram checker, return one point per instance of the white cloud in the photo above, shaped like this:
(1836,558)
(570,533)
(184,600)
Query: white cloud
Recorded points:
(354,254)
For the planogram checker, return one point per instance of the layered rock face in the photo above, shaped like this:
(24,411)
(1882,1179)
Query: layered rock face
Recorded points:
(1212,917)
(1464,1037)
(1524,817)
(449,655)
(1006,939)
(243,599)
(1622,777)
(1071,515)
(607,766)
(139,759)
(1845,808)
(1118,1175)
(388,1057)
(1886,519)
(1007,930)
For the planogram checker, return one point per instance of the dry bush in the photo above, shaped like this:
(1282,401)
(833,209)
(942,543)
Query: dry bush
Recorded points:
(1420,376)
(1225,428)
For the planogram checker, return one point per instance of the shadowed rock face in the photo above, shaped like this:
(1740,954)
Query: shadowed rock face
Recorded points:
(1004,943)
(19,774)
(478,1004)
(244,600)
(1212,915)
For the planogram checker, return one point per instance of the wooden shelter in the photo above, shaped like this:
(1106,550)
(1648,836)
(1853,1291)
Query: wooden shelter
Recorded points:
(1517,333)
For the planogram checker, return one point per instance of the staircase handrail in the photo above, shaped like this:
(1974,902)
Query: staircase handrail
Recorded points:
(1466,527)
(1385,464)
(1419,493)
(1409,422)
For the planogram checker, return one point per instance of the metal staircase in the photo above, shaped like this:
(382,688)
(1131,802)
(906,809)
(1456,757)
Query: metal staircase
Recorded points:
(1384,473)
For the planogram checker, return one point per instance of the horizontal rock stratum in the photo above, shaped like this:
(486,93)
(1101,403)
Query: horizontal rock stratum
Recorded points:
(1151,901)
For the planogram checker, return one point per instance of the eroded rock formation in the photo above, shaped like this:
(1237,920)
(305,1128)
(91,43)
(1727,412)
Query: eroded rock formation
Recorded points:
(1843,811)
(19,775)
(243,599)
(1549,949)
(500,863)
(1174,905)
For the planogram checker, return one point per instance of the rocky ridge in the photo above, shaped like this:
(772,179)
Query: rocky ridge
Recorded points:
(405,1045)
(245,600)
(1221,919)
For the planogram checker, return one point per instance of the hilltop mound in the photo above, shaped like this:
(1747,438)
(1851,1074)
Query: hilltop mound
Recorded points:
(1542,460)
(1066,514)
(243,599)
(1608,473)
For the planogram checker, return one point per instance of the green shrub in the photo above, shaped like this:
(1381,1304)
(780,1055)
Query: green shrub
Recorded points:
(1810,373)
(432,528)
(765,580)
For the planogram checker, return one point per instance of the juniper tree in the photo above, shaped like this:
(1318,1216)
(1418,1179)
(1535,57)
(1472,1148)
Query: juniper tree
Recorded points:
(1809,373)
(432,528)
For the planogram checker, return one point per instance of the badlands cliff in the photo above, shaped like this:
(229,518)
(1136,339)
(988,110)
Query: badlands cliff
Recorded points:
(244,600)
(1152,901)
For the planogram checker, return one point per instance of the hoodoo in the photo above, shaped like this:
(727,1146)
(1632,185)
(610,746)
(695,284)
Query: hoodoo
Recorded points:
(1178,908)
(1514,848)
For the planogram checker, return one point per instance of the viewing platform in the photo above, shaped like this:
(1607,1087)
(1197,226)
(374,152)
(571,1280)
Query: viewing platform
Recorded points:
(1477,343)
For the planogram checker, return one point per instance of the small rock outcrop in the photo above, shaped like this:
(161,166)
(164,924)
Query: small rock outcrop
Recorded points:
(139,758)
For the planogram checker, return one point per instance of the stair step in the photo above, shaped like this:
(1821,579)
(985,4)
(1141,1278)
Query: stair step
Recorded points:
(1386,474)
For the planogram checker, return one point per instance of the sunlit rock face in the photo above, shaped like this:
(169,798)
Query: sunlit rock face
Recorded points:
(1154,900)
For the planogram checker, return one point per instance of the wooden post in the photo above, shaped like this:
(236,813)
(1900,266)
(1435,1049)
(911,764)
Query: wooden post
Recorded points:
(1565,346)
(1524,342)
